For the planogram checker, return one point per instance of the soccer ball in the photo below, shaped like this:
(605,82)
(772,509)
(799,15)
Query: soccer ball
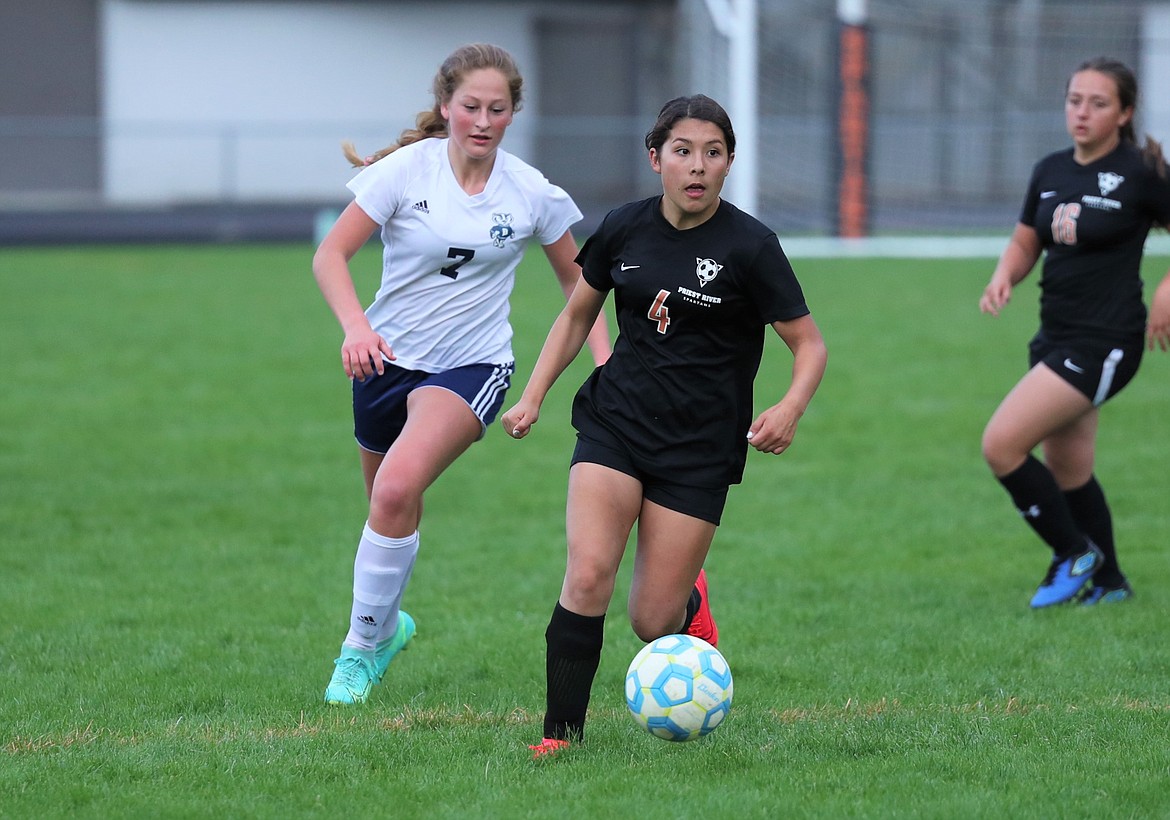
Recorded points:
(678,688)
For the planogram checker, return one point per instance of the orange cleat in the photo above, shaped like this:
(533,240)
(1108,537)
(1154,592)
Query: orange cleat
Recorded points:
(703,625)
(548,748)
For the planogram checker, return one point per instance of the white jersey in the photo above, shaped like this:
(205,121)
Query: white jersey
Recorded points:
(450,259)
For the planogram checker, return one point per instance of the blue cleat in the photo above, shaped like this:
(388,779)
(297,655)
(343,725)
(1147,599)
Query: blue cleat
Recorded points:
(390,647)
(1065,578)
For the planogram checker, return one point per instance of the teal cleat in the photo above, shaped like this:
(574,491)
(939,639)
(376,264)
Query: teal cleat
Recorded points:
(354,675)
(390,647)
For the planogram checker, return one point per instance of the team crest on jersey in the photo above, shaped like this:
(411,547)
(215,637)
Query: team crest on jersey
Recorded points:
(706,270)
(1108,181)
(502,230)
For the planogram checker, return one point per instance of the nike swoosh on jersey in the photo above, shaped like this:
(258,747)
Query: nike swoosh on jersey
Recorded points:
(1047,194)
(629,267)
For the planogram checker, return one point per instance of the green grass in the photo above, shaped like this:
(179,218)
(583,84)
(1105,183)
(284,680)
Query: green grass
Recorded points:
(180,501)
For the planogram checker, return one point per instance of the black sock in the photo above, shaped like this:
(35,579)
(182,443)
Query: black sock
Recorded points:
(572,655)
(1038,498)
(1090,510)
(693,604)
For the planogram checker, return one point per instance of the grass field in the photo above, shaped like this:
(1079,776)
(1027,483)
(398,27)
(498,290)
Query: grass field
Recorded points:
(180,501)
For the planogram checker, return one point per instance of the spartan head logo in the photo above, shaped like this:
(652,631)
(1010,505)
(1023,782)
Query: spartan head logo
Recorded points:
(706,270)
(1108,181)
(502,230)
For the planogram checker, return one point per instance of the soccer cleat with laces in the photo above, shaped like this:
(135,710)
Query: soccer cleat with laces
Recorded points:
(390,647)
(354,674)
(548,748)
(703,625)
(1101,594)
(1065,578)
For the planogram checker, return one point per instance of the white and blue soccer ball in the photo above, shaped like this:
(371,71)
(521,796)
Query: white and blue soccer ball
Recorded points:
(679,688)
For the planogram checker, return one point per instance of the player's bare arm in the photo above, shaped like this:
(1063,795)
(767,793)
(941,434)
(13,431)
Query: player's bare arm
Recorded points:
(1016,262)
(775,428)
(362,350)
(564,342)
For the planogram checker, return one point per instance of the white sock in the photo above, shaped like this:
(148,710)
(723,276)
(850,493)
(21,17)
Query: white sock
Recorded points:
(390,625)
(380,572)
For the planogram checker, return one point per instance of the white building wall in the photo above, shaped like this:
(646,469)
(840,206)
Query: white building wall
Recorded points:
(1154,76)
(221,100)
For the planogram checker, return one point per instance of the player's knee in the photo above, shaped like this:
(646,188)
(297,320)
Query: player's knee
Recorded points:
(998,452)
(651,626)
(588,584)
(390,500)
(989,450)
(394,508)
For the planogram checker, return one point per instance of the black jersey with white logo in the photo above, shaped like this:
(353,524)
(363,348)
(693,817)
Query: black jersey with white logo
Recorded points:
(1092,221)
(692,307)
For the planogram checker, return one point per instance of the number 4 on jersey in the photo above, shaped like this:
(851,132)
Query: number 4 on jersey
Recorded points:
(659,312)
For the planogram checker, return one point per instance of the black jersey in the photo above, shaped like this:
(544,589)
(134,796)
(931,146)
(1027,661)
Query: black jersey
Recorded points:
(692,306)
(1093,220)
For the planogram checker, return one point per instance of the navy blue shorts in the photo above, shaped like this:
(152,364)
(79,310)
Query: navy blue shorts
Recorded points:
(1097,369)
(379,402)
(705,503)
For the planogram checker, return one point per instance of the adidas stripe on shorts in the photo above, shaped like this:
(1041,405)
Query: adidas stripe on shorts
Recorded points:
(379,402)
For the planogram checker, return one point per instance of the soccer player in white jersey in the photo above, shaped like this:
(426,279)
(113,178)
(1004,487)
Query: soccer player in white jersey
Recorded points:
(1088,209)
(431,358)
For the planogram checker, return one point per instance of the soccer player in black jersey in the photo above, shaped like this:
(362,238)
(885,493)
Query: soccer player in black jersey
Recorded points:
(1089,209)
(664,425)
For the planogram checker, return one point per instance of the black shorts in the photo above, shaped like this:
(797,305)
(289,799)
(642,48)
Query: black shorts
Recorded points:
(602,447)
(379,402)
(1098,369)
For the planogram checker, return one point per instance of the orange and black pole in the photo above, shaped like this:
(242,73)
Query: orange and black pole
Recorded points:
(852,108)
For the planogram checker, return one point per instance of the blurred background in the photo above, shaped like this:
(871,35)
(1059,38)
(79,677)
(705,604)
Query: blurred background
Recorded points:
(171,120)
